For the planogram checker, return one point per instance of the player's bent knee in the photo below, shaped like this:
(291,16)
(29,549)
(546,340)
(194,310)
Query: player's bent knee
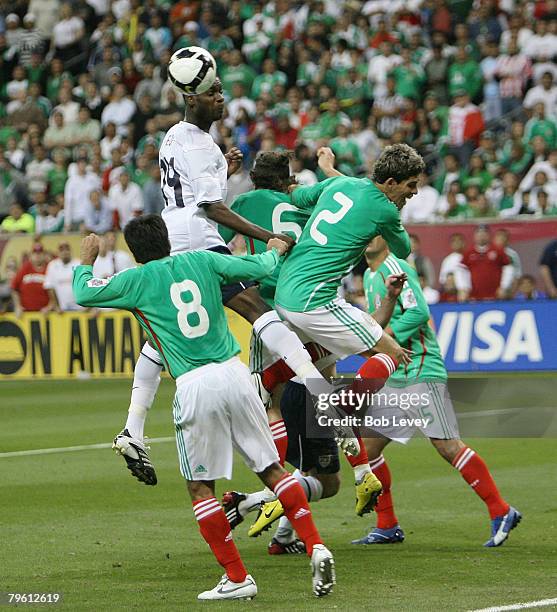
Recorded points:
(272,474)
(448,449)
(200,489)
(248,304)
(331,484)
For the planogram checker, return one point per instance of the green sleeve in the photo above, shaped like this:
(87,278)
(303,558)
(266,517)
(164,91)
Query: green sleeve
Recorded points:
(118,291)
(391,229)
(248,267)
(306,197)
(415,311)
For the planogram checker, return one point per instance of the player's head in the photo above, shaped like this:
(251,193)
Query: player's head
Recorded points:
(203,109)
(272,171)
(147,238)
(397,171)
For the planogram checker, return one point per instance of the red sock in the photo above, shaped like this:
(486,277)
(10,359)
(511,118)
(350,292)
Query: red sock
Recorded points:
(372,376)
(296,509)
(474,470)
(386,518)
(360,459)
(279,372)
(280,438)
(215,530)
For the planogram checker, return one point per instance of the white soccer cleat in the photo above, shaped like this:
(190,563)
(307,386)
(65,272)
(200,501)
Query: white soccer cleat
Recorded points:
(349,446)
(226,589)
(137,459)
(323,570)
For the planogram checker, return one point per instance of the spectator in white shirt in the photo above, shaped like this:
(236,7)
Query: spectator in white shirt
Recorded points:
(58,281)
(125,198)
(76,195)
(546,92)
(67,34)
(379,67)
(431,295)
(451,264)
(110,260)
(98,216)
(422,207)
(37,170)
(66,106)
(542,45)
(46,13)
(303,176)
(119,110)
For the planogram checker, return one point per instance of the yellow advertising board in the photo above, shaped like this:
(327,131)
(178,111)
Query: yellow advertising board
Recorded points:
(72,345)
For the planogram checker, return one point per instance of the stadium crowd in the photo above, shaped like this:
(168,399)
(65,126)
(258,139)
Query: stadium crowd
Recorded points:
(84,104)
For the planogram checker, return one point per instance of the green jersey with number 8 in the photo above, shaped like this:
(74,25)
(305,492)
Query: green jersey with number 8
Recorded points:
(274,211)
(348,213)
(177,300)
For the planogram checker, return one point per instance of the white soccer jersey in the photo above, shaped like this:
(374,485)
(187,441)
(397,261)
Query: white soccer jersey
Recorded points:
(193,171)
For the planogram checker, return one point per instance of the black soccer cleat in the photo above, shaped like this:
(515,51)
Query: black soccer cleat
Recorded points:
(134,452)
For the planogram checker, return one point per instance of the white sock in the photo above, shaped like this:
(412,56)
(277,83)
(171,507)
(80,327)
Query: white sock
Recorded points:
(254,500)
(360,471)
(146,379)
(284,343)
(311,486)
(285,531)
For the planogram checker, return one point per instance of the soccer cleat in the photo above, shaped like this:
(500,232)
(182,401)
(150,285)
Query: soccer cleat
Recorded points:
(296,547)
(323,570)
(343,434)
(367,493)
(134,452)
(382,536)
(261,390)
(268,514)
(501,527)
(230,503)
(226,589)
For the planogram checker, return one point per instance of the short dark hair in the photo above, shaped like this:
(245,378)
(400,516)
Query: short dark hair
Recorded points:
(399,162)
(272,171)
(147,238)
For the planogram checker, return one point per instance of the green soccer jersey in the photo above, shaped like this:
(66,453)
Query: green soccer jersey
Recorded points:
(177,300)
(273,211)
(410,322)
(348,213)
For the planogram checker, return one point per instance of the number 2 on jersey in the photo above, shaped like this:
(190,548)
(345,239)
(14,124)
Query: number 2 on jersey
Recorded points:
(328,216)
(186,309)
(172,181)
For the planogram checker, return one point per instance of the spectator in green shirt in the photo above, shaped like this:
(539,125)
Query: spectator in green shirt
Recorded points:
(540,125)
(18,221)
(266,81)
(58,174)
(330,119)
(236,71)
(477,174)
(465,74)
(409,77)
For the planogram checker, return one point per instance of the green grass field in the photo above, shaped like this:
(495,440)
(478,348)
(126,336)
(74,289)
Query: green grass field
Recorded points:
(77,523)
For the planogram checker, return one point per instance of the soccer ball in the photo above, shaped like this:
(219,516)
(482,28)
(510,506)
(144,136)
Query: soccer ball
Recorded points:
(192,70)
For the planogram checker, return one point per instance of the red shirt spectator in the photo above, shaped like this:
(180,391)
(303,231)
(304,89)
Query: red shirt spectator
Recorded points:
(285,134)
(485,262)
(28,291)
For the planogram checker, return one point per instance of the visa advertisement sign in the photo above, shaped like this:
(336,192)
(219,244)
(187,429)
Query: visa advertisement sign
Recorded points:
(494,336)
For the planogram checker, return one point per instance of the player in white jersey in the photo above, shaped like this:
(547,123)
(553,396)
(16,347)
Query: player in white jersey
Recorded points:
(193,179)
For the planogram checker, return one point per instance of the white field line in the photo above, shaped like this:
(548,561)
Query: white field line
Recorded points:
(542,603)
(71,449)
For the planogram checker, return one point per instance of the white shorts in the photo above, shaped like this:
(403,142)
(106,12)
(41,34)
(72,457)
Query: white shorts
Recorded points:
(426,406)
(216,410)
(338,326)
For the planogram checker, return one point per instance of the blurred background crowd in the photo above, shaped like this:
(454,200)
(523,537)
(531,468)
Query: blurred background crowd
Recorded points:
(85,102)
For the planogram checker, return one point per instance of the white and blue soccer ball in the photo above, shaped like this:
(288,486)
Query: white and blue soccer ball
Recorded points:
(192,70)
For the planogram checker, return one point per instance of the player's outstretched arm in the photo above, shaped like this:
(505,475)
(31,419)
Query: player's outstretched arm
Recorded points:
(118,291)
(220,213)
(248,267)
(416,311)
(307,196)
(391,229)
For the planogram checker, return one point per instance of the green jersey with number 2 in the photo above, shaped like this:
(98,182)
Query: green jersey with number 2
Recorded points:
(273,211)
(347,214)
(410,323)
(177,300)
